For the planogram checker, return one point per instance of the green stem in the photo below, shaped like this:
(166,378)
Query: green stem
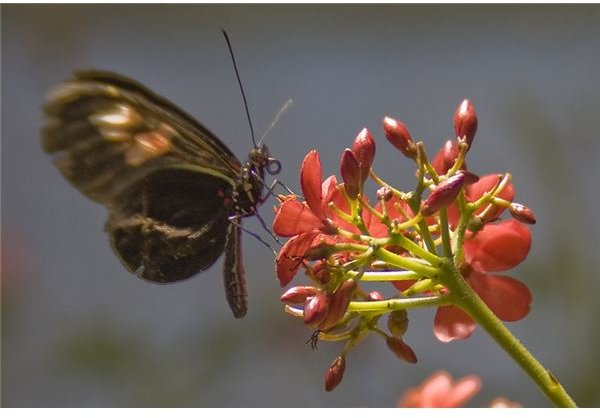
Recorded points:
(386,276)
(397,304)
(459,233)
(404,263)
(414,248)
(445,233)
(470,302)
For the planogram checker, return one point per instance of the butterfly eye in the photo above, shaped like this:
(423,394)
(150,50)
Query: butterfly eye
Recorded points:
(273,166)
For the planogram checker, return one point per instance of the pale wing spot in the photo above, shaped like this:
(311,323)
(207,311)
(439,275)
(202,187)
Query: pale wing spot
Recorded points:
(146,146)
(115,135)
(121,116)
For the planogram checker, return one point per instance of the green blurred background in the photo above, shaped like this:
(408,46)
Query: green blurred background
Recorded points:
(78,330)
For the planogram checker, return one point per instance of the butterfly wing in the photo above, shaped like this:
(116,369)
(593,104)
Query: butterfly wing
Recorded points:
(169,225)
(163,176)
(110,131)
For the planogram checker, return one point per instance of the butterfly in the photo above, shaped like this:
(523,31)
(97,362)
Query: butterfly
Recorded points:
(175,193)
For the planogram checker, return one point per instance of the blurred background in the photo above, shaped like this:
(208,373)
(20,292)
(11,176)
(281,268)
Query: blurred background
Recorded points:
(79,330)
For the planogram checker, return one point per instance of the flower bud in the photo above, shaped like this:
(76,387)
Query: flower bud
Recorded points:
(385,193)
(470,178)
(363,149)
(401,349)
(522,213)
(338,304)
(465,122)
(398,322)
(375,295)
(298,294)
(315,309)
(443,194)
(399,136)
(351,173)
(335,373)
(446,157)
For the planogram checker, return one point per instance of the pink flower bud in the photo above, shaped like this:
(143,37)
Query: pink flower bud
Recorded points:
(401,349)
(375,295)
(399,136)
(350,173)
(398,322)
(465,121)
(298,294)
(522,213)
(443,194)
(338,304)
(315,309)
(335,373)
(363,149)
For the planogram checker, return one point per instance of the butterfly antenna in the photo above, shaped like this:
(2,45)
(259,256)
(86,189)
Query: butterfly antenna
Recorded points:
(237,74)
(279,114)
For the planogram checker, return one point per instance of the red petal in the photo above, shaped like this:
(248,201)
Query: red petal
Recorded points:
(311,176)
(293,218)
(463,390)
(328,189)
(498,247)
(289,259)
(508,298)
(485,184)
(453,215)
(452,323)
(402,285)
(393,206)
(341,203)
(435,389)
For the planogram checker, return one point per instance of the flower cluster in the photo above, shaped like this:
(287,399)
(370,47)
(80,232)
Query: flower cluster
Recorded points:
(429,243)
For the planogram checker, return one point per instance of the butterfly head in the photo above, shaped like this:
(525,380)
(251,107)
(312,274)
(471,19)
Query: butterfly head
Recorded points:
(260,159)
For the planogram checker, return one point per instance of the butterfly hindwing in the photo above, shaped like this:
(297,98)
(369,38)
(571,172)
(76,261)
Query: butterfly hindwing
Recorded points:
(169,225)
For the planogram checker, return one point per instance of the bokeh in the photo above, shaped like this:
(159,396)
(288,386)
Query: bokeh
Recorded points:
(78,330)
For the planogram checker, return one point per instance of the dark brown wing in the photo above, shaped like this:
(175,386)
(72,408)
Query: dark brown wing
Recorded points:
(169,225)
(110,131)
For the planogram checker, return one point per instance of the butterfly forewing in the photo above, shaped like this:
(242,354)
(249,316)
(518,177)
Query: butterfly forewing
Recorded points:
(170,185)
(109,131)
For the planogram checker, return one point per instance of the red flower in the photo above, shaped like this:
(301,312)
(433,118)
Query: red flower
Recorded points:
(310,222)
(441,391)
(496,247)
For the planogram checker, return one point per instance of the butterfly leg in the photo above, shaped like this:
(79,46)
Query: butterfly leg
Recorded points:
(235,220)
